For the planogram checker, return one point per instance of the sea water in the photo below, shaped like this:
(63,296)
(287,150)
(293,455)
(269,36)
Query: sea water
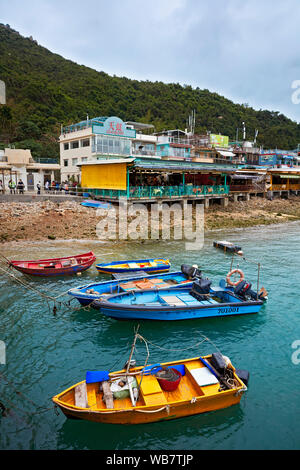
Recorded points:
(47,353)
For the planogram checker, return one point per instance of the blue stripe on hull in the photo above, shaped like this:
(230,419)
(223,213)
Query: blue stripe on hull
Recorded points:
(158,269)
(186,314)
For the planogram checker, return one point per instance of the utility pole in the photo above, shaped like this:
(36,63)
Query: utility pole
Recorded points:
(2,92)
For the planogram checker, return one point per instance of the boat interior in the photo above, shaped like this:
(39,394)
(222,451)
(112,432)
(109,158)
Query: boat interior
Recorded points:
(137,284)
(137,264)
(177,298)
(196,381)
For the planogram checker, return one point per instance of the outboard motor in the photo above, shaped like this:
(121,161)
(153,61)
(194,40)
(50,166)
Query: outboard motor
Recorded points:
(201,286)
(191,271)
(222,365)
(243,289)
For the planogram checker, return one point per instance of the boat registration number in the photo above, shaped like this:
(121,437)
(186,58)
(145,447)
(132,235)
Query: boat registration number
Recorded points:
(228,310)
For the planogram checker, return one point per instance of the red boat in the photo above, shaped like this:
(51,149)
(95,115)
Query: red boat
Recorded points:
(55,266)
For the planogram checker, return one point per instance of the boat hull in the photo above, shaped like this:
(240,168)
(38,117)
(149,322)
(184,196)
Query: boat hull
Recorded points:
(177,313)
(118,267)
(144,415)
(61,266)
(55,272)
(158,269)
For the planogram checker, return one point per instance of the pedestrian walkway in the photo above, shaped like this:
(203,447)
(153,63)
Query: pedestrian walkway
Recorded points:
(29,196)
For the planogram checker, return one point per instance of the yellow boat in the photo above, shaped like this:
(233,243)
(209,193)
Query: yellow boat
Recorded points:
(132,266)
(201,389)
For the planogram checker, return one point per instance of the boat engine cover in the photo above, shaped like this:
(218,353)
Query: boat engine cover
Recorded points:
(243,375)
(190,271)
(242,288)
(218,362)
(200,287)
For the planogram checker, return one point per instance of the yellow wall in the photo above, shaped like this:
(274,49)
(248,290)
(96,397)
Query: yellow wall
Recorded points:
(108,176)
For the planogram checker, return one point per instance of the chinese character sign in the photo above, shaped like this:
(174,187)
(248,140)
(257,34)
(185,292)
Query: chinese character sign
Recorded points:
(114,126)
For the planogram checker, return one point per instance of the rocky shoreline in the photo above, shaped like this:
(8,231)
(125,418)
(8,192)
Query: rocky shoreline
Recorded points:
(36,221)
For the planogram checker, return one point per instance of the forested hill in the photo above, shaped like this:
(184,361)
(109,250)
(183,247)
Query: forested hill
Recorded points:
(44,90)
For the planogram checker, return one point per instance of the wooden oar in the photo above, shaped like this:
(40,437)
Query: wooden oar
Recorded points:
(133,401)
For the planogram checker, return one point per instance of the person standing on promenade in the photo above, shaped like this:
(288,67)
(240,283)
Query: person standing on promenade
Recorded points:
(1,187)
(38,188)
(47,186)
(12,186)
(20,187)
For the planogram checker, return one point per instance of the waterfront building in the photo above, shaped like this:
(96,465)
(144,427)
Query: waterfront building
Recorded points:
(18,164)
(150,179)
(102,138)
(111,138)
(284,179)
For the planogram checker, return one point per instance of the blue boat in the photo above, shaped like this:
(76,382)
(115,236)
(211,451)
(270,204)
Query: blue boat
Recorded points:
(96,204)
(100,290)
(198,301)
(131,266)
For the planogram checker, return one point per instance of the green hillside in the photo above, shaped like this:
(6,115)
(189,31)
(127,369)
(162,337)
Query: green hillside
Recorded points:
(44,90)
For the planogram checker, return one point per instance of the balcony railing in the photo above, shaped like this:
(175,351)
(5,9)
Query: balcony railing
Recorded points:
(156,192)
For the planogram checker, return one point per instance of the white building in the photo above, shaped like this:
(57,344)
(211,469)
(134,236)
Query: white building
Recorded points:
(18,164)
(102,138)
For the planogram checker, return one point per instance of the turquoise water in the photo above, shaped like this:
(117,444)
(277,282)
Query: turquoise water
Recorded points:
(46,353)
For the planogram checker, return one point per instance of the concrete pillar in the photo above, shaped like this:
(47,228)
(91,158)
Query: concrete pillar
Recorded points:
(235,198)
(248,197)
(206,203)
(224,201)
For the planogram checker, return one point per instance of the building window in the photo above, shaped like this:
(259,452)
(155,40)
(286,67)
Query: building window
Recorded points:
(66,146)
(66,162)
(74,161)
(112,145)
(75,144)
(85,143)
(84,159)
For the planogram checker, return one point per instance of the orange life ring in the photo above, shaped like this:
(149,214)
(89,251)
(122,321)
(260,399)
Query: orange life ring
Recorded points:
(242,277)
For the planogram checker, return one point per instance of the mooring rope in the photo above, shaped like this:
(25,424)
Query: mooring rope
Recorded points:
(44,295)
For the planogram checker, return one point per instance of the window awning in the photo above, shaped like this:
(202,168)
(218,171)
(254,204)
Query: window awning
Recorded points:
(289,176)
(244,177)
(226,154)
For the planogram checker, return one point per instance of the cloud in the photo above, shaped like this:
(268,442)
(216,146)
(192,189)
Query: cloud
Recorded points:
(247,51)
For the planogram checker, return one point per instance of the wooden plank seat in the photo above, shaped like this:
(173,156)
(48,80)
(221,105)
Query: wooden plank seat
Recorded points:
(81,395)
(151,391)
(172,300)
(209,389)
(133,265)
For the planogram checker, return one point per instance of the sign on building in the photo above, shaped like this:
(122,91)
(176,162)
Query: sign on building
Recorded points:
(2,92)
(219,140)
(114,126)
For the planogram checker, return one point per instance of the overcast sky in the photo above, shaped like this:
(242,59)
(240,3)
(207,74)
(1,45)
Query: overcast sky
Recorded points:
(245,50)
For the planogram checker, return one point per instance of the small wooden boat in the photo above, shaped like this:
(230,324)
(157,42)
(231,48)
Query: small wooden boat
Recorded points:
(100,290)
(137,395)
(131,266)
(228,246)
(55,266)
(199,301)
